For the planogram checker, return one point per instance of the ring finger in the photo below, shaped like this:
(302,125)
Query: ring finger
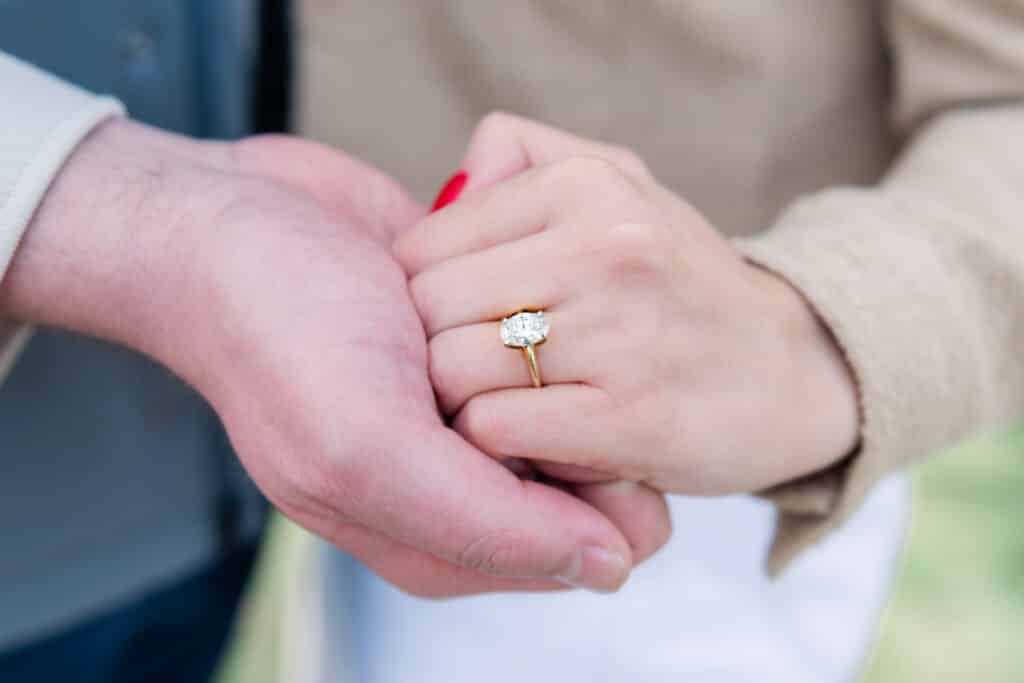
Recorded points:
(536,272)
(470,360)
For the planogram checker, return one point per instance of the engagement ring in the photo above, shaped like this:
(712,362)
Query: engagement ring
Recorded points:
(526,330)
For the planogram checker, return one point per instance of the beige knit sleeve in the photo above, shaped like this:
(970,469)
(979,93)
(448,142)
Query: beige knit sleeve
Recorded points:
(921,278)
(42,119)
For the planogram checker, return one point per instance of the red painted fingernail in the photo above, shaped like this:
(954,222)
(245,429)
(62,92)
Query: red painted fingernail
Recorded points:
(451,191)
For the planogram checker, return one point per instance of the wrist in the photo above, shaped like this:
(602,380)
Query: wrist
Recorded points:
(114,236)
(826,415)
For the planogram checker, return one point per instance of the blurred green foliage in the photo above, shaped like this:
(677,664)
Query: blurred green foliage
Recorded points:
(957,611)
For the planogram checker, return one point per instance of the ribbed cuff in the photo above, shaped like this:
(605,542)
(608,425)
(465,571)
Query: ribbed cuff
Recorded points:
(879,291)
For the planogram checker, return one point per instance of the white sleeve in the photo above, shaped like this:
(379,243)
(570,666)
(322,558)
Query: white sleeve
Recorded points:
(41,121)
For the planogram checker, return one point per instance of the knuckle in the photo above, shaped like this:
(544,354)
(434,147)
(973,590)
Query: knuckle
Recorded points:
(634,249)
(643,237)
(589,173)
(488,553)
(497,118)
(628,160)
(494,123)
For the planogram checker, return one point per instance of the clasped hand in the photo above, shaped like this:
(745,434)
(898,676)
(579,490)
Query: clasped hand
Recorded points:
(281,279)
(671,361)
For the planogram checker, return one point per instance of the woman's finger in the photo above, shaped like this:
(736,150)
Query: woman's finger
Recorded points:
(563,423)
(504,145)
(535,273)
(491,216)
(578,187)
(470,360)
(516,157)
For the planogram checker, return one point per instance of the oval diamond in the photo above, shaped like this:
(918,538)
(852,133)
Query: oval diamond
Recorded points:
(524,329)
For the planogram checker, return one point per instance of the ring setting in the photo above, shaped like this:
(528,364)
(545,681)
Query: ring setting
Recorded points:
(526,330)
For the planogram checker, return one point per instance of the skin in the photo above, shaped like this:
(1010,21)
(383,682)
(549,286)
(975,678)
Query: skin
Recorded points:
(261,273)
(671,360)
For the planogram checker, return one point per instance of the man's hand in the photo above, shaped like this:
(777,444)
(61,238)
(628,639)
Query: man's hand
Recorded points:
(260,272)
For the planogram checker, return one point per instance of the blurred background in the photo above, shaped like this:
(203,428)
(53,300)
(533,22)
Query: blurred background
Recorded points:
(956,612)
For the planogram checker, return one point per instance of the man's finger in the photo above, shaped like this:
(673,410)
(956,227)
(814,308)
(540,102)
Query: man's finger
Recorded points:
(639,511)
(447,498)
(414,571)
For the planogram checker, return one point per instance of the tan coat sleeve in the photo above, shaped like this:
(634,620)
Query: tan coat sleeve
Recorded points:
(42,119)
(920,278)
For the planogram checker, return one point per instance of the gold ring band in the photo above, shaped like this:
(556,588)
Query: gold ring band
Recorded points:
(531,363)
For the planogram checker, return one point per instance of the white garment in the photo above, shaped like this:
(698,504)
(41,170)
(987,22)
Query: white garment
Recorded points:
(42,120)
(700,610)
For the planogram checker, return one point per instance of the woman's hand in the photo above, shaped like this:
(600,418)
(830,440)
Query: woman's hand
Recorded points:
(670,361)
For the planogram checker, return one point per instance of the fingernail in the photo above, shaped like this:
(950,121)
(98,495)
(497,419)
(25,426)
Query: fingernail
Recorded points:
(451,191)
(596,569)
